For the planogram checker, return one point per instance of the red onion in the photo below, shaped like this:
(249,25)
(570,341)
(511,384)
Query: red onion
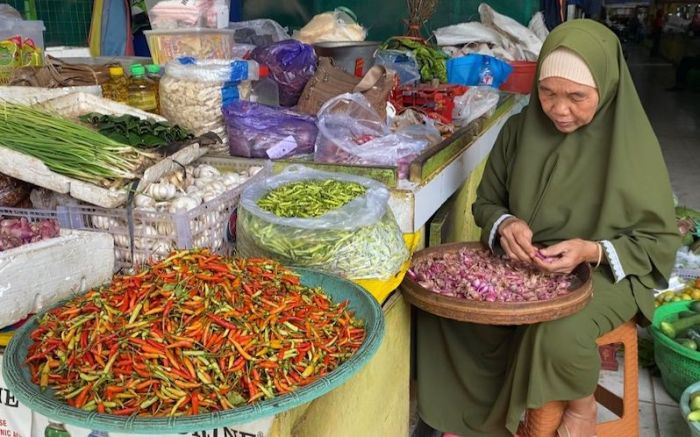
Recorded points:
(479,275)
(15,232)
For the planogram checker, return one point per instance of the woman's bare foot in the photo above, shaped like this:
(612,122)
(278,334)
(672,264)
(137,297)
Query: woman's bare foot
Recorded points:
(579,419)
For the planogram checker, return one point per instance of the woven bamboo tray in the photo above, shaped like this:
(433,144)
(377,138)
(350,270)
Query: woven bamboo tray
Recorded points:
(496,313)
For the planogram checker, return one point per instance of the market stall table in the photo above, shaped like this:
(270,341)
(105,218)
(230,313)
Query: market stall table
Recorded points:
(376,400)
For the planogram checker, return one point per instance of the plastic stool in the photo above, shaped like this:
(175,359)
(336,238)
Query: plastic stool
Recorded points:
(627,407)
(544,421)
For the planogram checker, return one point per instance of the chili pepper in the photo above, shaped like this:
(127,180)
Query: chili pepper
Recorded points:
(243,330)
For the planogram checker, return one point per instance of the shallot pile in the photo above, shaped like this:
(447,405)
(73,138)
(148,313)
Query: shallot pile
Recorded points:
(479,275)
(15,232)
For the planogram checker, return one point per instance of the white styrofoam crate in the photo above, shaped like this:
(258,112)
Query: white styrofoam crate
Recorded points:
(39,274)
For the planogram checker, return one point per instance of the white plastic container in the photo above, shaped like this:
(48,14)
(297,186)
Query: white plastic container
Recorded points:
(200,43)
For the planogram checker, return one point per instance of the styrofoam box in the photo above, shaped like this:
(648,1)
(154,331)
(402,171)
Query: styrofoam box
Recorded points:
(37,275)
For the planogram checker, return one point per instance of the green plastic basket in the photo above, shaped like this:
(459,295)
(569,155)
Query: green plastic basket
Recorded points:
(685,408)
(18,380)
(679,366)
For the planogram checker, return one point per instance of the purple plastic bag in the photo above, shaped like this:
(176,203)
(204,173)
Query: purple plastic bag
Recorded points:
(291,65)
(260,131)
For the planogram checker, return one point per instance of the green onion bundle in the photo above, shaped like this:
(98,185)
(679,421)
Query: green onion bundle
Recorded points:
(68,148)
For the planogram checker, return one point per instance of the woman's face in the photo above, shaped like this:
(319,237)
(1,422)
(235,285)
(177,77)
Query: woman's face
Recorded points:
(568,104)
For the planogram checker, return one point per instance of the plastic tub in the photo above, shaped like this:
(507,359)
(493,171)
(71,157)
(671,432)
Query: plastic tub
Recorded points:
(166,45)
(685,408)
(522,79)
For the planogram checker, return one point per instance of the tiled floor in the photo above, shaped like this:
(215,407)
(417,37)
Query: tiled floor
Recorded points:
(676,120)
(659,415)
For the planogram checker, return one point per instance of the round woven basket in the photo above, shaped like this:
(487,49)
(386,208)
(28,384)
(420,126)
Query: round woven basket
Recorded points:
(496,313)
(679,366)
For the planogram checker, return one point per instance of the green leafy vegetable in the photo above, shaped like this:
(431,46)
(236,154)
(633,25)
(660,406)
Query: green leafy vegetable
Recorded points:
(127,129)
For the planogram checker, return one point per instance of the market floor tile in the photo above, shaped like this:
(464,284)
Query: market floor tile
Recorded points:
(675,117)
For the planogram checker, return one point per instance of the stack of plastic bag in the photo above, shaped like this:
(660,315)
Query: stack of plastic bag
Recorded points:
(496,35)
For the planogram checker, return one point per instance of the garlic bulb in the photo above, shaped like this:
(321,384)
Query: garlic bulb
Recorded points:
(184,203)
(252,171)
(209,195)
(101,222)
(142,200)
(205,171)
(162,191)
(232,179)
(215,187)
(202,182)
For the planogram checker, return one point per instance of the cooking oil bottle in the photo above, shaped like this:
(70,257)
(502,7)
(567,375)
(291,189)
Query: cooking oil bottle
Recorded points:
(153,73)
(142,91)
(117,87)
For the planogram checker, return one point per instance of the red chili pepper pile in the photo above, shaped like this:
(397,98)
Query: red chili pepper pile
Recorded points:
(193,333)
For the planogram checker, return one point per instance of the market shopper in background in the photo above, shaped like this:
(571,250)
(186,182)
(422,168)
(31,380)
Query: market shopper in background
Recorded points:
(581,172)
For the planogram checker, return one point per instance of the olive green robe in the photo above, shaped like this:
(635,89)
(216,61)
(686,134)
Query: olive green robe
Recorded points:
(606,182)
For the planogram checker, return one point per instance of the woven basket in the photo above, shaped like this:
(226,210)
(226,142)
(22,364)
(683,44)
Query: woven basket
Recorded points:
(496,313)
(679,366)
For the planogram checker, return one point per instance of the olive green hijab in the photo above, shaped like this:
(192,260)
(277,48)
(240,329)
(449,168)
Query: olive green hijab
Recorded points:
(605,181)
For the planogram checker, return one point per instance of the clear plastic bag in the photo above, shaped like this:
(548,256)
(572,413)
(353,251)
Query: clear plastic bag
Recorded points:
(192,94)
(476,102)
(351,132)
(337,25)
(178,14)
(360,240)
(12,191)
(259,33)
(291,65)
(260,131)
(402,62)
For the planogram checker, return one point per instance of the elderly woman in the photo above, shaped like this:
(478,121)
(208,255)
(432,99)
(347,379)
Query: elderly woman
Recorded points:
(581,172)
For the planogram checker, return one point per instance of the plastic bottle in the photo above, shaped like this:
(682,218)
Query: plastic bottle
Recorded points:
(56,430)
(117,87)
(153,73)
(142,92)
(221,12)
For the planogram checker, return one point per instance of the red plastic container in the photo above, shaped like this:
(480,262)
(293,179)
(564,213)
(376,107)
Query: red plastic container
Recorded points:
(522,79)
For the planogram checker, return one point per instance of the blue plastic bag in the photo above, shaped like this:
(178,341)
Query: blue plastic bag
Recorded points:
(477,70)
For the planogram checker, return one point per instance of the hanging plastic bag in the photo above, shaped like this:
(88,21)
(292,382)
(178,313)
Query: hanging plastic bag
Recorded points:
(476,102)
(359,240)
(351,132)
(477,70)
(291,65)
(259,131)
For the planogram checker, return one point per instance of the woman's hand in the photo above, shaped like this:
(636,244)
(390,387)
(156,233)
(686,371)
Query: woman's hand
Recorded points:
(516,239)
(565,256)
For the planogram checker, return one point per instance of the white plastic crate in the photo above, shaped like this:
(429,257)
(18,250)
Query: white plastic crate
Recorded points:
(156,234)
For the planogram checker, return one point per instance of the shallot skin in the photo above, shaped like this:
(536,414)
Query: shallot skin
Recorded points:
(477,274)
(15,232)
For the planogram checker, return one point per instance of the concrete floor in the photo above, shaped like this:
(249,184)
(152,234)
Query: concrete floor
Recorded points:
(676,120)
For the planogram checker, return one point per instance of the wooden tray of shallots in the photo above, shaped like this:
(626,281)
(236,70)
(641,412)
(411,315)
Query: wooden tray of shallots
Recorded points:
(466,282)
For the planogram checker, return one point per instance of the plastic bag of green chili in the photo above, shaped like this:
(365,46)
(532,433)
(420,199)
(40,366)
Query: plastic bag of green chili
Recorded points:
(337,223)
